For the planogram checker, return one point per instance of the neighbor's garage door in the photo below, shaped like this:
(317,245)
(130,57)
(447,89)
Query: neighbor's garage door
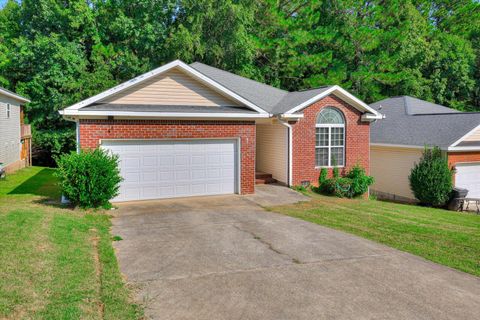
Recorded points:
(155,169)
(468,177)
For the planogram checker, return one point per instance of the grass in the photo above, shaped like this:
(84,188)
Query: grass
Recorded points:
(445,237)
(57,263)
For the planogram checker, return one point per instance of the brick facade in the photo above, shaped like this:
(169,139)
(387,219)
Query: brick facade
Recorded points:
(357,140)
(462,157)
(91,131)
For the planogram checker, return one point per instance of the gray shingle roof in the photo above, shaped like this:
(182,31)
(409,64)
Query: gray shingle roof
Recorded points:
(411,121)
(164,108)
(270,99)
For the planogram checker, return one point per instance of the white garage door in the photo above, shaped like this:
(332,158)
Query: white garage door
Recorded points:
(155,169)
(468,177)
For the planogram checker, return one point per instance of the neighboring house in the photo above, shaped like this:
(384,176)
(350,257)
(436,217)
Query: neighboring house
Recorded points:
(411,124)
(187,130)
(15,136)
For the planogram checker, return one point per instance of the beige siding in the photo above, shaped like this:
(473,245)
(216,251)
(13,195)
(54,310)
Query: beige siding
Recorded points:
(391,167)
(171,88)
(9,131)
(475,136)
(272,150)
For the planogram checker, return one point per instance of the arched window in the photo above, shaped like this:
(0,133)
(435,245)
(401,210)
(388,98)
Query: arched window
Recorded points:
(330,138)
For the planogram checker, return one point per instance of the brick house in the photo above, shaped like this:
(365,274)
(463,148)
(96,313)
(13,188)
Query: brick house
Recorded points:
(411,124)
(187,130)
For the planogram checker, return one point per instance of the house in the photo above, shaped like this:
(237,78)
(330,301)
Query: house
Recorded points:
(410,124)
(187,130)
(15,136)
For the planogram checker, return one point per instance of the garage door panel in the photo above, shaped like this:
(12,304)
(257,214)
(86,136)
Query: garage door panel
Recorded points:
(198,160)
(199,174)
(228,172)
(149,176)
(176,168)
(131,177)
(149,161)
(166,176)
(182,190)
(165,160)
(166,191)
(468,177)
(214,159)
(182,175)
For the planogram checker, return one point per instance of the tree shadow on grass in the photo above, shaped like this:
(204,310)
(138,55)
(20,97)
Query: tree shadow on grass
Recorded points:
(43,183)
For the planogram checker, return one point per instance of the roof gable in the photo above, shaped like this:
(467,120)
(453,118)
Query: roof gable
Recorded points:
(174,87)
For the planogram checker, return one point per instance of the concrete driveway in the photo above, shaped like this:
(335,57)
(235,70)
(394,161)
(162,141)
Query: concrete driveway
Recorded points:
(227,258)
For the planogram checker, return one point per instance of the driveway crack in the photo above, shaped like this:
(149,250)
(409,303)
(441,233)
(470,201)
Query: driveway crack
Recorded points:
(267,244)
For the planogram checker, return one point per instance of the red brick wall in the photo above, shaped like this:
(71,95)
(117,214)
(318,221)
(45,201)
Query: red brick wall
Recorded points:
(459,157)
(357,140)
(91,131)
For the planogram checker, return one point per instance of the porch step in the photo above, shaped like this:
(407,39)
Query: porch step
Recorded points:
(264,178)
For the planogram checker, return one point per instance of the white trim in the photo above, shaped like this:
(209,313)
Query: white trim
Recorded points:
(290,152)
(239,165)
(405,146)
(466,162)
(174,64)
(465,136)
(329,147)
(368,117)
(343,94)
(14,96)
(459,149)
(77,135)
(163,114)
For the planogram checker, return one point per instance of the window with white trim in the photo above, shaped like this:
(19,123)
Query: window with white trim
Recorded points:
(330,138)
(8,110)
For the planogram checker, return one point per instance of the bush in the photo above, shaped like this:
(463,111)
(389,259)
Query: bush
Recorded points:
(355,183)
(340,187)
(431,178)
(89,179)
(360,180)
(50,144)
(323,176)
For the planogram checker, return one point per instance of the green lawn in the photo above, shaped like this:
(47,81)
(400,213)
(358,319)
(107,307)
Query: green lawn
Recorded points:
(56,263)
(446,237)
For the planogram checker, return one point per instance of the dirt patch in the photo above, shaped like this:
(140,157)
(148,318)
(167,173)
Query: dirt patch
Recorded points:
(98,271)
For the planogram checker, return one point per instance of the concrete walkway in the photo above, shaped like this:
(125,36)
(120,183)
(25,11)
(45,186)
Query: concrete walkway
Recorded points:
(227,258)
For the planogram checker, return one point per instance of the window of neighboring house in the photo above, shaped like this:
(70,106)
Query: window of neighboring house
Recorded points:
(330,138)
(8,110)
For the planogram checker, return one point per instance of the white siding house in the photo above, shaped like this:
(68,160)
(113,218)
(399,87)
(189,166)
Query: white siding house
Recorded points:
(10,128)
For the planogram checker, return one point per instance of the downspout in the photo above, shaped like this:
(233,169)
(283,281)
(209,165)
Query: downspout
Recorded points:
(77,135)
(290,151)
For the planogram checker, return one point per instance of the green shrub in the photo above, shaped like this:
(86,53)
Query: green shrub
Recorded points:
(360,180)
(355,183)
(340,187)
(89,179)
(323,176)
(431,178)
